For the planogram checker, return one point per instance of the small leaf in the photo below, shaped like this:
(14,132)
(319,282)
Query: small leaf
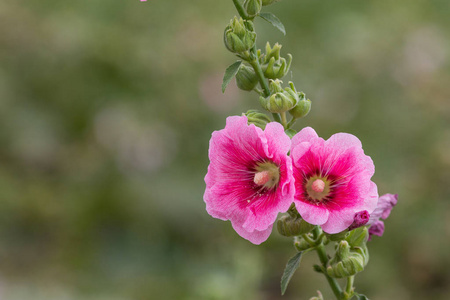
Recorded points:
(230,72)
(361,297)
(272,19)
(291,266)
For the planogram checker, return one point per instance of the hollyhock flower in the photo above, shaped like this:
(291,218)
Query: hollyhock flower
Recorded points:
(332,179)
(249,179)
(382,211)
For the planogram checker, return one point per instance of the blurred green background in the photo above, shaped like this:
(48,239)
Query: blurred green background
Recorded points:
(106,110)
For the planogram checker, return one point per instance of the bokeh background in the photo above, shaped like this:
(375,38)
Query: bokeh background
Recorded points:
(106,110)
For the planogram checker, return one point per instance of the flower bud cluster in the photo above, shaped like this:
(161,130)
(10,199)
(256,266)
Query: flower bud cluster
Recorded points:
(287,99)
(273,65)
(351,254)
(239,35)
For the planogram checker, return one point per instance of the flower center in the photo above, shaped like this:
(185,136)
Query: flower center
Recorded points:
(317,188)
(267,175)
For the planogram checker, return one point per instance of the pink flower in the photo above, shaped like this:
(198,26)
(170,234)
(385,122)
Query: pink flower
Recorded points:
(332,179)
(249,179)
(382,211)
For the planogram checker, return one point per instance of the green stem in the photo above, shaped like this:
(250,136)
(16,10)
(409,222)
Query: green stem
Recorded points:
(276,117)
(331,281)
(324,260)
(240,9)
(291,123)
(283,119)
(262,79)
(349,287)
(257,67)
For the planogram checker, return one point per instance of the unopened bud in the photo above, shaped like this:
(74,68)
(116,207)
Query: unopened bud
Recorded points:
(253,7)
(303,105)
(239,35)
(361,218)
(280,100)
(246,78)
(358,237)
(258,118)
(273,65)
(347,267)
(289,226)
(300,244)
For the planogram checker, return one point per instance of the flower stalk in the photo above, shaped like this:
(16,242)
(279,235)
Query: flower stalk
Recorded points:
(260,168)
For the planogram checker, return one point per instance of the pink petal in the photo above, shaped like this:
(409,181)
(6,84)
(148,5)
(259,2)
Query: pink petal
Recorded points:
(313,214)
(338,221)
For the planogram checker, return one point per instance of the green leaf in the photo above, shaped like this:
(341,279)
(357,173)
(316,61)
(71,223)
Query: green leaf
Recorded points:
(272,19)
(361,297)
(230,72)
(291,266)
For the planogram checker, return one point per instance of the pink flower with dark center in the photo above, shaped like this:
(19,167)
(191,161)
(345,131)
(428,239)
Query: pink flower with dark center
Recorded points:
(332,179)
(249,179)
(382,211)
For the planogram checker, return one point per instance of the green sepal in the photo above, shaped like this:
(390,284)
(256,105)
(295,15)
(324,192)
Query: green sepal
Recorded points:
(272,19)
(291,226)
(337,236)
(291,266)
(239,36)
(253,7)
(230,72)
(358,236)
(246,78)
(300,244)
(257,118)
(361,297)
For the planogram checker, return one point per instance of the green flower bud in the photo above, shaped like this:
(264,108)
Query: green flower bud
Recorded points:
(358,237)
(289,226)
(268,2)
(257,118)
(301,109)
(280,100)
(246,78)
(348,260)
(239,35)
(273,65)
(336,237)
(300,244)
(253,7)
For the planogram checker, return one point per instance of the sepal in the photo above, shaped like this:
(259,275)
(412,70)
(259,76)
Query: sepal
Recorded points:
(279,100)
(291,226)
(253,7)
(246,78)
(239,35)
(257,118)
(273,65)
